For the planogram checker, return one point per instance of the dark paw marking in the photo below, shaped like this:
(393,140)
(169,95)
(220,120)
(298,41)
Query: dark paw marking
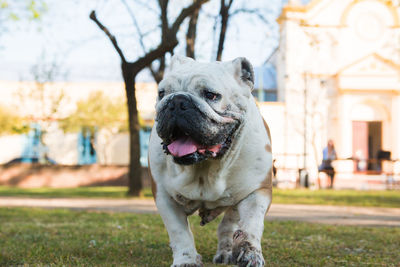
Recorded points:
(205,216)
(223,257)
(190,206)
(243,253)
(209,215)
(239,235)
(182,200)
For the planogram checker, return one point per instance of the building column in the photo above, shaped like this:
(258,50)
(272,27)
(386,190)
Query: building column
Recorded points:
(396,127)
(345,124)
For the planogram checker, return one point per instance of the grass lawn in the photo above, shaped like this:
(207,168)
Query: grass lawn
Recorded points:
(390,199)
(297,196)
(59,237)
(79,192)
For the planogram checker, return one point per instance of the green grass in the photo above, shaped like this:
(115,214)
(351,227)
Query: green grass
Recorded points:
(79,192)
(38,237)
(297,196)
(390,199)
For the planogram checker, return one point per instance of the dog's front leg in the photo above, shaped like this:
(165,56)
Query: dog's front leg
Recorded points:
(246,247)
(180,236)
(226,228)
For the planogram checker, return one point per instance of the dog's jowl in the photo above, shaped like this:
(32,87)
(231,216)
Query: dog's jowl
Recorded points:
(208,154)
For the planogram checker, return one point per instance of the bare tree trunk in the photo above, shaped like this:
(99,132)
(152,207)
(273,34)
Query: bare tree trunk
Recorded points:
(224,14)
(135,169)
(191,34)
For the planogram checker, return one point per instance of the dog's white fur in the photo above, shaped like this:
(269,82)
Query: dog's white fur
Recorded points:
(239,183)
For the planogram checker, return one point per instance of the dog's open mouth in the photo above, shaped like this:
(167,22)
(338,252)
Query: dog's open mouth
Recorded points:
(186,150)
(186,146)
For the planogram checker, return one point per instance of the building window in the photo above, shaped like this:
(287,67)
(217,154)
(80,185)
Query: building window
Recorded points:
(263,95)
(33,149)
(144,135)
(265,86)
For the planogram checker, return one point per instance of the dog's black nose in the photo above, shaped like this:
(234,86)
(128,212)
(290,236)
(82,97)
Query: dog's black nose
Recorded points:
(179,102)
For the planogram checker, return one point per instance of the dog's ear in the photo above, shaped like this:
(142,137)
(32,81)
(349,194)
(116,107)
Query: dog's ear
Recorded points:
(244,71)
(178,60)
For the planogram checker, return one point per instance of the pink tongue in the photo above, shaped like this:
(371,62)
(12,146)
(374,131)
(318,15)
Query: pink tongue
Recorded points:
(182,147)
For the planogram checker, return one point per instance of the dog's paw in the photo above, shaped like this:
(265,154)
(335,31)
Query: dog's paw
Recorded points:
(244,254)
(223,257)
(197,263)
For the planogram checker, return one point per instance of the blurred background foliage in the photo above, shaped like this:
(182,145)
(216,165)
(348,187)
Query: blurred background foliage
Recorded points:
(98,112)
(19,9)
(11,123)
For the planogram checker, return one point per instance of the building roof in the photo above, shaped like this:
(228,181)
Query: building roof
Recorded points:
(371,63)
(265,77)
(304,6)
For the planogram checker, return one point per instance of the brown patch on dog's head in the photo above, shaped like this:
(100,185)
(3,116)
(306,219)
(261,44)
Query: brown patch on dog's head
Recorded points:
(268,148)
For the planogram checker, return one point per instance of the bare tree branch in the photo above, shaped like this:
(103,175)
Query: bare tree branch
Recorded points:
(109,35)
(161,68)
(224,14)
(159,73)
(185,13)
(154,73)
(169,40)
(191,33)
(162,49)
(136,24)
(251,11)
(164,18)
(147,6)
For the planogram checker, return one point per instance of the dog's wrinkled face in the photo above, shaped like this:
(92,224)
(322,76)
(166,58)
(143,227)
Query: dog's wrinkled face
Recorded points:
(200,106)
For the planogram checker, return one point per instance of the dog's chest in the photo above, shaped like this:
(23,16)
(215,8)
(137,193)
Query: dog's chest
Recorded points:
(190,206)
(200,192)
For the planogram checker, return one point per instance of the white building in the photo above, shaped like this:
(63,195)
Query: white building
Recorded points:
(338,77)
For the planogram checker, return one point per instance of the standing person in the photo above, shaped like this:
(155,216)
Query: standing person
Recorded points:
(328,155)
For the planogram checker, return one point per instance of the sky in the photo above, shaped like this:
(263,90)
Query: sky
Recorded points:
(66,35)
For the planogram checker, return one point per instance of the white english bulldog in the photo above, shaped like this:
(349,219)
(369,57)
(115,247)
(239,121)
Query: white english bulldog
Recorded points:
(210,151)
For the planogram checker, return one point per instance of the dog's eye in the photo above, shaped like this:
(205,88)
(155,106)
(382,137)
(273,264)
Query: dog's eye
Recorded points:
(161,94)
(211,96)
